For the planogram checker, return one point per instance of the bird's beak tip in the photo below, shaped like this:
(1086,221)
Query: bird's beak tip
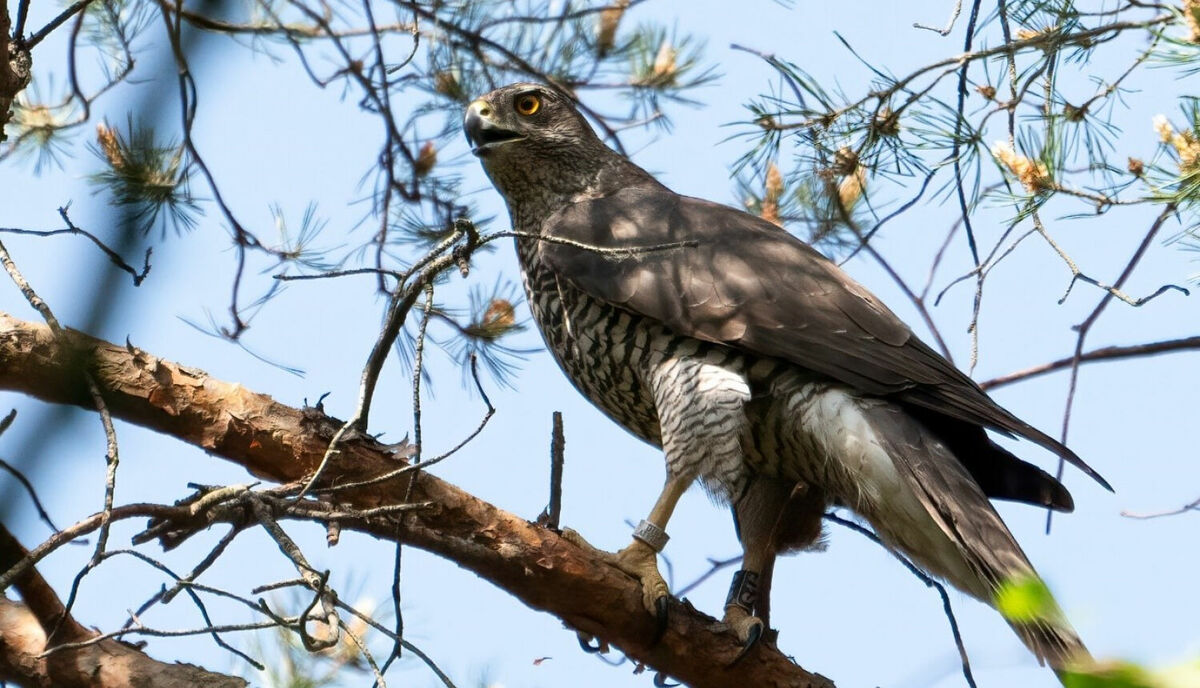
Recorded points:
(483,133)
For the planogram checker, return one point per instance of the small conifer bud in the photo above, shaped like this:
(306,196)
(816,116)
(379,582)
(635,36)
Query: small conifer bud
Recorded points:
(887,123)
(110,145)
(772,193)
(1163,128)
(845,161)
(851,188)
(446,83)
(1191,16)
(497,320)
(606,26)
(1033,175)
(426,159)
(664,63)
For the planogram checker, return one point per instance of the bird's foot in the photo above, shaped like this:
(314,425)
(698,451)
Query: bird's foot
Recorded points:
(591,644)
(640,561)
(739,611)
(745,626)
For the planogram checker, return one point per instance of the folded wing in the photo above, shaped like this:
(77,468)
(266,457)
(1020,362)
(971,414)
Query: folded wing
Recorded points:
(721,275)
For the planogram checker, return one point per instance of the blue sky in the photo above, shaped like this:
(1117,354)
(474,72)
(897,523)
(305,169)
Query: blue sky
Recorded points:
(851,613)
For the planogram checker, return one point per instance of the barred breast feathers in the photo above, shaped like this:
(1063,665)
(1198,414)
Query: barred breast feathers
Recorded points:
(700,402)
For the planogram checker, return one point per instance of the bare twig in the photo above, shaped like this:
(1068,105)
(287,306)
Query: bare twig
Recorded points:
(714,565)
(40,34)
(1086,326)
(1107,353)
(1193,505)
(413,468)
(37,503)
(930,582)
(138,275)
(27,291)
(87,525)
(316,581)
(365,652)
(403,299)
(949,22)
(110,435)
(551,515)
(179,585)
(96,670)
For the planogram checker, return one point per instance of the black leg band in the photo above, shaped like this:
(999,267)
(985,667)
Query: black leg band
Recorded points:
(744,590)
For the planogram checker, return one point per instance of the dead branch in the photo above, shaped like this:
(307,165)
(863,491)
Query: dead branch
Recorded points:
(285,444)
(1193,505)
(1107,353)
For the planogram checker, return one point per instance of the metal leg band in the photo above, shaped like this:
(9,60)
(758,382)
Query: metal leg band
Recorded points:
(652,535)
(743,592)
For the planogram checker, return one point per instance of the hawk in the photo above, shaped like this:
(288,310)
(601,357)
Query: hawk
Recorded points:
(759,367)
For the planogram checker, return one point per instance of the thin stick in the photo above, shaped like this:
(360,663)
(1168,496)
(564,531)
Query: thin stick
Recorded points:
(37,503)
(1107,353)
(1193,505)
(553,510)
(941,589)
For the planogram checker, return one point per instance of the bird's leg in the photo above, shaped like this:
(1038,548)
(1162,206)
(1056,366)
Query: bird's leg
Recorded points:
(744,597)
(756,513)
(639,558)
(773,517)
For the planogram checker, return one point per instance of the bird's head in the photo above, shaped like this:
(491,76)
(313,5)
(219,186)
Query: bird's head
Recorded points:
(531,116)
(532,140)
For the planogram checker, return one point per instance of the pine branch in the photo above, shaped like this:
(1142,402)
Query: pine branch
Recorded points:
(285,444)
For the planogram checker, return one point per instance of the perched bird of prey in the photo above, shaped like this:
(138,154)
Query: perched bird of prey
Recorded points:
(760,368)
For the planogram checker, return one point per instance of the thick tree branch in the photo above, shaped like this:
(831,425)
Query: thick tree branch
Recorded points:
(107,664)
(284,444)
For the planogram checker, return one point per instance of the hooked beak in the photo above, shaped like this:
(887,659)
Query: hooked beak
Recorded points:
(482,131)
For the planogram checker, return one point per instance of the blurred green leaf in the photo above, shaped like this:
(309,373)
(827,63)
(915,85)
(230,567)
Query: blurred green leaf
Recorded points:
(1025,599)
(1111,675)
(1119,674)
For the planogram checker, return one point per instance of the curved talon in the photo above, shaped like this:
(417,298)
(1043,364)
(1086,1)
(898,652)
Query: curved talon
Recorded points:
(661,605)
(585,643)
(660,680)
(752,637)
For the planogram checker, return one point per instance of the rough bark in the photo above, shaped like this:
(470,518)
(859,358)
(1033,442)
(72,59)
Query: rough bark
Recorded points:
(282,443)
(14,68)
(106,664)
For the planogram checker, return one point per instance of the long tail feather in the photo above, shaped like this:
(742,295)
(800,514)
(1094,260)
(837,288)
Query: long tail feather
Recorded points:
(981,556)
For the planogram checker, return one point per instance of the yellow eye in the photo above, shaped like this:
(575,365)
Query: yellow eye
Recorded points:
(528,104)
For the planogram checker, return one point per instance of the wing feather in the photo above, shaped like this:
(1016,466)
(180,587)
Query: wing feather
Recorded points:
(743,282)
